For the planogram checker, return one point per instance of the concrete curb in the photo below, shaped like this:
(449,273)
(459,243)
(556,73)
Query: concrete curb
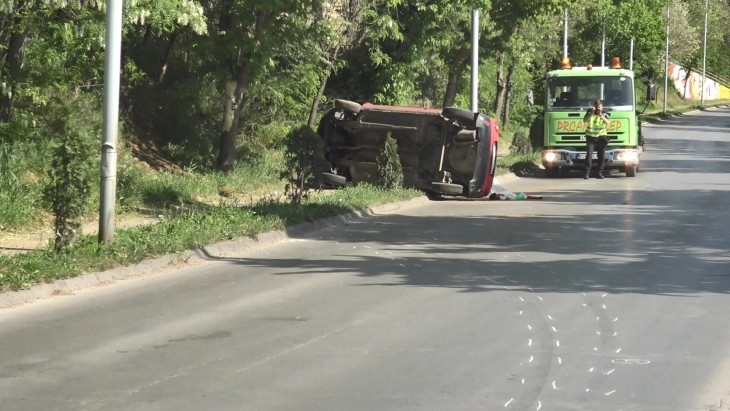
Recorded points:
(211,252)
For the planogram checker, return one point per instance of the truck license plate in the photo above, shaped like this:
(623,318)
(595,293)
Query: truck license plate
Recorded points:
(583,156)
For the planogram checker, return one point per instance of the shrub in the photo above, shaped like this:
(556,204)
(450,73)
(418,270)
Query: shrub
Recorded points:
(69,184)
(303,161)
(390,170)
(521,144)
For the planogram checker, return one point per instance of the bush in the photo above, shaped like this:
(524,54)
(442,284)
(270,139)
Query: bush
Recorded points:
(390,170)
(521,144)
(537,129)
(69,184)
(303,161)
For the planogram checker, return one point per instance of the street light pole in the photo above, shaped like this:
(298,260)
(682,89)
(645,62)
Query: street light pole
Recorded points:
(565,34)
(107,200)
(704,58)
(475,60)
(603,43)
(666,65)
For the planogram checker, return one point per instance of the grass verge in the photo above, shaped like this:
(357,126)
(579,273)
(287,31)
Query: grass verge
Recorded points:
(190,230)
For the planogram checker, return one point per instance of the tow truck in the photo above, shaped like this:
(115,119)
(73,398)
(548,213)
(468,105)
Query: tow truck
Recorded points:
(570,92)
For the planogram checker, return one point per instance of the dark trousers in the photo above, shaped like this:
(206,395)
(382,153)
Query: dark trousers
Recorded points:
(597,144)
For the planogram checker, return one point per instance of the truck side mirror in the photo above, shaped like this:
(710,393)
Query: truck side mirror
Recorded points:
(650,92)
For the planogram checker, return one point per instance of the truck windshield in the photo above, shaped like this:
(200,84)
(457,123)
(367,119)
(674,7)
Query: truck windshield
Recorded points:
(580,92)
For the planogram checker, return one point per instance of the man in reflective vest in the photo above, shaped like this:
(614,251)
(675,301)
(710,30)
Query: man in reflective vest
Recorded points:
(596,137)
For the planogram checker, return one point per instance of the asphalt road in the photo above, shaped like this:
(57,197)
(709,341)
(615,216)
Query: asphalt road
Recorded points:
(605,295)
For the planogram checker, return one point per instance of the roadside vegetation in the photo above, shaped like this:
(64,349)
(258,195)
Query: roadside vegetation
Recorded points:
(220,103)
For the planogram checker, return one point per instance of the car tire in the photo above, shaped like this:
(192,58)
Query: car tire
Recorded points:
(462,115)
(347,105)
(551,172)
(447,188)
(631,171)
(333,179)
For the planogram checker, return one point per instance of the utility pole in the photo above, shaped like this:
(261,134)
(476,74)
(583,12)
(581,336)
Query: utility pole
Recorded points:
(475,60)
(631,55)
(603,43)
(565,35)
(108,194)
(704,57)
(666,65)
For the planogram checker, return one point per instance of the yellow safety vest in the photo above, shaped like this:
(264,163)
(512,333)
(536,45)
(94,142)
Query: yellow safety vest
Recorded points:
(596,127)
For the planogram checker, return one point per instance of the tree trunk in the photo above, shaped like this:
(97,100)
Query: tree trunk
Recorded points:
(686,81)
(450,95)
(508,99)
(231,117)
(499,98)
(317,99)
(166,57)
(13,63)
(322,85)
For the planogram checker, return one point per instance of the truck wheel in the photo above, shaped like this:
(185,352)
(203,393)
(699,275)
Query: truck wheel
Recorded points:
(551,172)
(463,115)
(447,188)
(631,171)
(333,179)
(347,105)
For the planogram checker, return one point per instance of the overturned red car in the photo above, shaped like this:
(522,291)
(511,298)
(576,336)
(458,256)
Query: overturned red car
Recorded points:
(450,151)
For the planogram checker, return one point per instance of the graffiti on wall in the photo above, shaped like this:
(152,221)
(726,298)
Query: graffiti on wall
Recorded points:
(690,87)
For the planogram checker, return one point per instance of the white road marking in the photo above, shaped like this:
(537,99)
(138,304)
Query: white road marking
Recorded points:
(555,387)
(609,393)
(539,405)
(555,329)
(539,298)
(598,332)
(532,357)
(560,360)
(591,369)
(618,351)
(508,402)
(522,299)
(611,372)
(615,319)
(604,295)
(529,327)
(520,312)
(529,342)
(523,381)
(549,317)
(557,343)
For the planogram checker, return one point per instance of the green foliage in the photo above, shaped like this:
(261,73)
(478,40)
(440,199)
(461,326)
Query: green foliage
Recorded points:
(390,170)
(303,161)
(69,182)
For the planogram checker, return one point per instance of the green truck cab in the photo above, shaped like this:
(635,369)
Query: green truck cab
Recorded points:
(570,92)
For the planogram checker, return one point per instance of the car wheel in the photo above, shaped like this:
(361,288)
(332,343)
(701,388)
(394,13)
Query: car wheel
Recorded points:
(447,188)
(333,179)
(465,116)
(631,171)
(347,105)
